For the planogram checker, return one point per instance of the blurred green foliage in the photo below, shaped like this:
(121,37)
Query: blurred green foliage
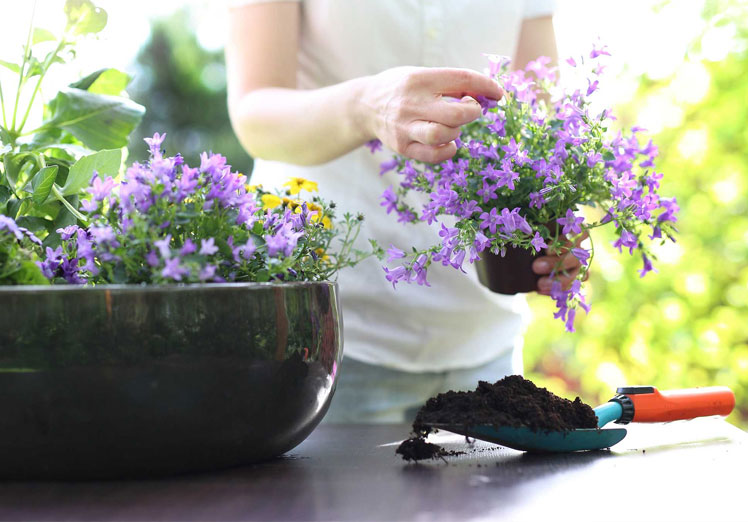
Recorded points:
(687,325)
(183,87)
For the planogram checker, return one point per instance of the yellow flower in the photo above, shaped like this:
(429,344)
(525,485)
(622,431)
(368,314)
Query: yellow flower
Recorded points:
(252,188)
(296,185)
(325,220)
(270,201)
(292,204)
(321,254)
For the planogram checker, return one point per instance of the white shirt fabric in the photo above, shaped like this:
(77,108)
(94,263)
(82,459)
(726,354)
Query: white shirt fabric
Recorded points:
(456,323)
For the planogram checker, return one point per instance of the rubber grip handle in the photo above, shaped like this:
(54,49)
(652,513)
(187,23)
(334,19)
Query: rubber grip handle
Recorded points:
(688,403)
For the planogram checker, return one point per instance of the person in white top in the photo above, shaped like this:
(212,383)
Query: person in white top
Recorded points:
(310,82)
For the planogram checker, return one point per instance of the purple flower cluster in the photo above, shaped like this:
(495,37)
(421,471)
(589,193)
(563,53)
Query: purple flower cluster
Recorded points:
(522,172)
(169,222)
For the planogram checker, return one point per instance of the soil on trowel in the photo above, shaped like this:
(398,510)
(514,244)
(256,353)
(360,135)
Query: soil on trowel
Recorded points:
(512,401)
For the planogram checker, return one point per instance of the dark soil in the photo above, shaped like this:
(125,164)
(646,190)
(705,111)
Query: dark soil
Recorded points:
(512,401)
(416,448)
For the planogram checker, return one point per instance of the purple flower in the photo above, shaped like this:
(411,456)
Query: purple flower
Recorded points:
(570,223)
(247,250)
(188,248)
(208,247)
(394,253)
(374,145)
(101,189)
(389,200)
(647,266)
(154,144)
(67,232)
(207,273)
(581,254)
(537,200)
(538,242)
(173,270)
(89,206)
(7,223)
(488,192)
(405,216)
(152,258)
(490,220)
(396,275)
(481,242)
(387,166)
(628,240)
(163,246)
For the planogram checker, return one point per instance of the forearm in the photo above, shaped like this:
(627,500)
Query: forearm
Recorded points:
(304,127)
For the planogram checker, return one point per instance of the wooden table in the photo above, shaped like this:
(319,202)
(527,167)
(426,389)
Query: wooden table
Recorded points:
(682,471)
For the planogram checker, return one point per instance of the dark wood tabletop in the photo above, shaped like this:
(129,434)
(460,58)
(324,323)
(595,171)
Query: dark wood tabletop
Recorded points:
(686,470)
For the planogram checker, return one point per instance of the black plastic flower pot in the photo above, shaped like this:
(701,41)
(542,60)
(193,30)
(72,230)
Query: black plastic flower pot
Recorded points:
(511,274)
(129,381)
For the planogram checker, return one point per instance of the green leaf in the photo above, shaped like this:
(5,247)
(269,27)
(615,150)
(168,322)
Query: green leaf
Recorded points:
(4,136)
(42,183)
(31,274)
(64,219)
(41,35)
(84,17)
(12,66)
(98,120)
(104,81)
(34,223)
(608,155)
(76,151)
(45,137)
(13,164)
(14,206)
(4,195)
(105,162)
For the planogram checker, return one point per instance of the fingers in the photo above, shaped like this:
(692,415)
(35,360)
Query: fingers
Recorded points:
(459,82)
(566,268)
(544,264)
(433,133)
(430,153)
(546,283)
(455,114)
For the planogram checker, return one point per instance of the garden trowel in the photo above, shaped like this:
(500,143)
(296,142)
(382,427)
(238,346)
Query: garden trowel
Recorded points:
(631,404)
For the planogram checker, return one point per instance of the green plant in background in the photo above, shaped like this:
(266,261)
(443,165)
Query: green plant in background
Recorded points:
(174,76)
(83,129)
(689,325)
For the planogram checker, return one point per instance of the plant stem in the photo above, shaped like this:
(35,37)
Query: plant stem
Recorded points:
(45,67)
(2,103)
(80,217)
(23,66)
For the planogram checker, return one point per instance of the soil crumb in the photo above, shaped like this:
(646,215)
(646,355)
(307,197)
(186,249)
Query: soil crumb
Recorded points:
(416,448)
(512,401)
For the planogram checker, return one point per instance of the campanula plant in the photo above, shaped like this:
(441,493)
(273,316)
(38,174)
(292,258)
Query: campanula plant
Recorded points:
(167,222)
(522,175)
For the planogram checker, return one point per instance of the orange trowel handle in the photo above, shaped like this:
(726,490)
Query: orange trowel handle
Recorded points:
(652,405)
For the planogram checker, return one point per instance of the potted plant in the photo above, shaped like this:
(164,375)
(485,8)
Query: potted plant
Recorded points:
(169,319)
(521,175)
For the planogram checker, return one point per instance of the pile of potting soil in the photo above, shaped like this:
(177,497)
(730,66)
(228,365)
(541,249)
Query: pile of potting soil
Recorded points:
(512,401)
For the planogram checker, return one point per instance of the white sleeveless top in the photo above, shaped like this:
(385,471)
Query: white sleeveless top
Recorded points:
(456,323)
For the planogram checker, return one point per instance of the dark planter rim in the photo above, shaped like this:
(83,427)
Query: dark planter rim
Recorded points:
(161,288)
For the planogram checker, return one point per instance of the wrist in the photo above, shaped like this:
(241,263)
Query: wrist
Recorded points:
(360,112)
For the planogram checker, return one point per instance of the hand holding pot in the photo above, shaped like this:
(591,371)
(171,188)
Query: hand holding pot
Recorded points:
(568,264)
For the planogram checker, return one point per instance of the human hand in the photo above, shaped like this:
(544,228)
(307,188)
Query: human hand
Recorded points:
(568,266)
(408,108)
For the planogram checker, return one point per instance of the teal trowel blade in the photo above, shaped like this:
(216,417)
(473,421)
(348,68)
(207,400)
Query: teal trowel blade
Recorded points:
(525,439)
